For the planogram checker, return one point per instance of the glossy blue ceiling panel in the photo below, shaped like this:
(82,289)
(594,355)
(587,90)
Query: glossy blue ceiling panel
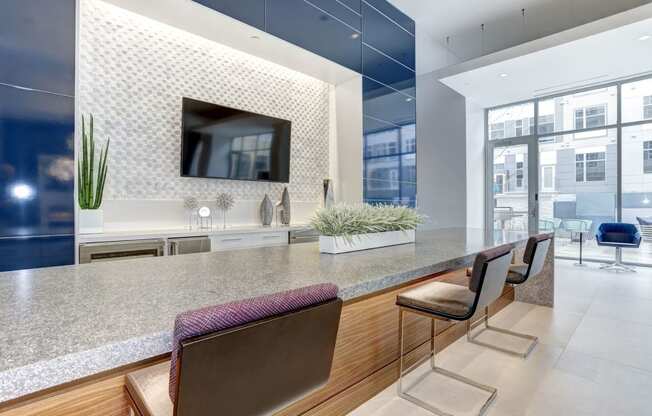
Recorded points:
(251,12)
(340,11)
(33,252)
(36,163)
(393,13)
(386,104)
(37,44)
(388,37)
(387,71)
(353,4)
(308,27)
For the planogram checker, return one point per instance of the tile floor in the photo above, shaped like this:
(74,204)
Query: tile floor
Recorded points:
(594,356)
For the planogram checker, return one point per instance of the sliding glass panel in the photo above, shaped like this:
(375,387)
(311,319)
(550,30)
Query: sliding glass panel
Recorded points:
(512,121)
(637,188)
(577,189)
(637,101)
(583,110)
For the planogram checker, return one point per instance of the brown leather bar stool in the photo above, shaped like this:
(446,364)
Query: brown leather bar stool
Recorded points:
(444,301)
(534,259)
(245,358)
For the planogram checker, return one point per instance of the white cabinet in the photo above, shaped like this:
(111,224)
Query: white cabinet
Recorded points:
(223,242)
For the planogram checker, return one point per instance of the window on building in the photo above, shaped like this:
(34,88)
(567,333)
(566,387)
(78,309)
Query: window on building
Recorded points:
(546,124)
(499,184)
(518,125)
(590,117)
(590,167)
(647,156)
(497,131)
(519,175)
(647,107)
(547,178)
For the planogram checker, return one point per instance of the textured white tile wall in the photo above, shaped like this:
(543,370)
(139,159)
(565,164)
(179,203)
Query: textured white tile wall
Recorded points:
(133,72)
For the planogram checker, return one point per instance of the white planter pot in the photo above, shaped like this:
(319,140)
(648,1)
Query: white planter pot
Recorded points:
(91,221)
(337,245)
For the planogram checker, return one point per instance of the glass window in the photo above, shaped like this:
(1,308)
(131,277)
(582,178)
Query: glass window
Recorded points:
(647,156)
(589,109)
(637,101)
(519,174)
(512,121)
(578,184)
(590,117)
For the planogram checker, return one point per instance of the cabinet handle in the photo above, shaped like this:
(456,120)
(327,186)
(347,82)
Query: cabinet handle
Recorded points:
(271,236)
(230,240)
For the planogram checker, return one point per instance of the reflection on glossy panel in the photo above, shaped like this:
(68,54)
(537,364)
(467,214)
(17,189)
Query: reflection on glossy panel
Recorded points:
(384,70)
(37,44)
(36,163)
(306,26)
(251,12)
(385,35)
(33,252)
(383,103)
(393,13)
(389,163)
(340,11)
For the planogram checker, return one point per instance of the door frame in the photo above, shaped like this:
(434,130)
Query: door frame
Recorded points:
(532,144)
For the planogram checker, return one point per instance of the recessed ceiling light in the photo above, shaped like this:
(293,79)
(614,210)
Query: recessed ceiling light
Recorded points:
(255,37)
(408,99)
(355,35)
(503,75)
(645,37)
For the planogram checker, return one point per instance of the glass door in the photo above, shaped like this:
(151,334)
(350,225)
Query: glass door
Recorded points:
(512,180)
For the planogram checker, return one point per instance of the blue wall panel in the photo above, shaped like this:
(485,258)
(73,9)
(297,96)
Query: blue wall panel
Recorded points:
(37,44)
(36,163)
(387,71)
(251,12)
(33,252)
(388,105)
(340,11)
(304,25)
(388,37)
(355,5)
(393,13)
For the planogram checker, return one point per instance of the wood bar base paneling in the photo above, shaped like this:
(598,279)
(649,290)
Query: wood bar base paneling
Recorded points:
(365,362)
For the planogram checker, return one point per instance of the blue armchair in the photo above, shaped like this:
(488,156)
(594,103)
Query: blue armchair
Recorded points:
(619,236)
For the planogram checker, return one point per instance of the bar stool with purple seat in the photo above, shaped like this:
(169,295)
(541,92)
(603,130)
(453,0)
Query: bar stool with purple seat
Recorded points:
(246,358)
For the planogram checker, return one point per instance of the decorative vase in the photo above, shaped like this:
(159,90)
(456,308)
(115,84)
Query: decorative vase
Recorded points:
(285,204)
(266,211)
(329,198)
(91,221)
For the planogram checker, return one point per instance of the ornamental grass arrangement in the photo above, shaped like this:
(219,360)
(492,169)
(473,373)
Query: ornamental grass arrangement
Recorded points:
(348,220)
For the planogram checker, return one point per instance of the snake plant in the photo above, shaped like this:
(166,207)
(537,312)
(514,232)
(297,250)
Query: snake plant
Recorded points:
(91,171)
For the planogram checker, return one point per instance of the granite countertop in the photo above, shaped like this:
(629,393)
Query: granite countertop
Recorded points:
(60,324)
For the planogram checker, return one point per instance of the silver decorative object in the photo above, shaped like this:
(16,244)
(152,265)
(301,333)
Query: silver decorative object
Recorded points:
(266,211)
(190,204)
(205,219)
(224,202)
(329,197)
(285,213)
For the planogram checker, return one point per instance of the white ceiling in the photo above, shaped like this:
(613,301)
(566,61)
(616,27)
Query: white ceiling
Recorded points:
(503,20)
(599,58)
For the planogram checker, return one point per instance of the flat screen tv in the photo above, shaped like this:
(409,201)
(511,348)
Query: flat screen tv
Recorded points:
(227,143)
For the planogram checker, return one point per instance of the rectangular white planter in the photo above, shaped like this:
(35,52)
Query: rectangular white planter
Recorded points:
(337,245)
(91,221)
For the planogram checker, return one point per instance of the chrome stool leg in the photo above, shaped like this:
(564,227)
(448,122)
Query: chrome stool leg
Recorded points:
(433,409)
(473,337)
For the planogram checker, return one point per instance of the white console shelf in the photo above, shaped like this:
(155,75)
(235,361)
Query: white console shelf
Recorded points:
(221,239)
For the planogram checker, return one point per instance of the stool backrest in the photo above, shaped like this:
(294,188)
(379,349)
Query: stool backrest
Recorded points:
(489,274)
(254,357)
(535,254)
